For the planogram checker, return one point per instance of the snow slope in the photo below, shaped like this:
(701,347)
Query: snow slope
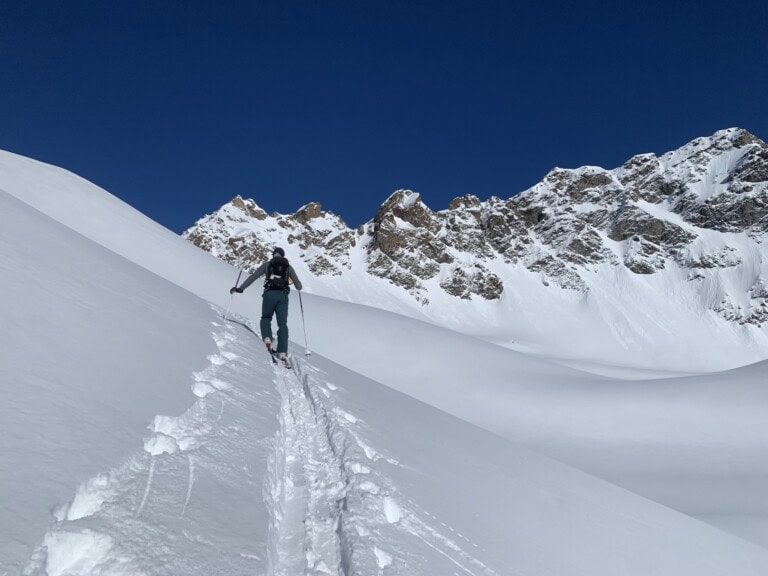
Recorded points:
(245,469)
(91,346)
(110,222)
(696,444)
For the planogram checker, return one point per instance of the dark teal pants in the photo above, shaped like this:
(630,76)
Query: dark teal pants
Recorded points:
(275,302)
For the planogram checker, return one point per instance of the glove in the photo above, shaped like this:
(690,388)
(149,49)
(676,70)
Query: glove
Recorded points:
(235,289)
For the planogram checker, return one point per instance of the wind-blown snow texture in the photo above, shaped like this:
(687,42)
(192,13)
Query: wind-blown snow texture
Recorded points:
(143,434)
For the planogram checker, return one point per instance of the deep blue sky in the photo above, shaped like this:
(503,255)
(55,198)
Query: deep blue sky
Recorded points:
(177,106)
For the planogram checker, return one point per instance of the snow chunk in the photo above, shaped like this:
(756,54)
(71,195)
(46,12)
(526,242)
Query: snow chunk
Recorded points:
(382,558)
(161,444)
(75,553)
(346,415)
(202,389)
(90,497)
(369,487)
(392,510)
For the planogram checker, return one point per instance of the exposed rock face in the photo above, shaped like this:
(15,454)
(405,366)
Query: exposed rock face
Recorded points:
(250,208)
(477,280)
(677,211)
(243,234)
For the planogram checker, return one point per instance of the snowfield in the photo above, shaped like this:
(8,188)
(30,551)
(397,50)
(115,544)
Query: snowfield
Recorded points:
(142,433)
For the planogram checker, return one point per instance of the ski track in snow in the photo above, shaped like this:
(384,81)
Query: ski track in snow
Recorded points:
(330,506)
(332,511)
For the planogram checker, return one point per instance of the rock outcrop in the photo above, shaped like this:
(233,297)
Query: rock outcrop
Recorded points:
(681,210)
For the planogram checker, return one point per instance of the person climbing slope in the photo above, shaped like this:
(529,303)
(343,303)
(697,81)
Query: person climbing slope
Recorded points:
(279,275)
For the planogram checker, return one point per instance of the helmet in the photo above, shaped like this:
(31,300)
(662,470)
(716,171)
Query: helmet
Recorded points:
(278,251)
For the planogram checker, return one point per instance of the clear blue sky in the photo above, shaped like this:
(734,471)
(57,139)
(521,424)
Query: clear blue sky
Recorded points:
(177,106)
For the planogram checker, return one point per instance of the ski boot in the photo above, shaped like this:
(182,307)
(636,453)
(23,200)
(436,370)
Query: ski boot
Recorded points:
(283,357)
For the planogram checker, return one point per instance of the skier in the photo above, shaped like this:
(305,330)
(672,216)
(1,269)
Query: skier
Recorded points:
(279,274)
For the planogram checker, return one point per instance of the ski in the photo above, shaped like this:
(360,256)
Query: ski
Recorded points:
(277,360)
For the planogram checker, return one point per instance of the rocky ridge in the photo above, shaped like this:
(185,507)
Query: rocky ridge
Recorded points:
(701,210)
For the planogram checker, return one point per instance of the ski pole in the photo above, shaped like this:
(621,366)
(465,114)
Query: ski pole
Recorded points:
(307,351)
(226,314)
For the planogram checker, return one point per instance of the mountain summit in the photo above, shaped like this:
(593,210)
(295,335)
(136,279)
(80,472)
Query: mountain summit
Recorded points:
(690,224)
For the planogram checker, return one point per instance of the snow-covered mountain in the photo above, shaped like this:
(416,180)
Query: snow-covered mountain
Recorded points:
(589,264)
(141,433)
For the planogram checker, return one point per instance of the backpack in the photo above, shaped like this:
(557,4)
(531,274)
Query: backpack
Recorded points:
(277,274)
